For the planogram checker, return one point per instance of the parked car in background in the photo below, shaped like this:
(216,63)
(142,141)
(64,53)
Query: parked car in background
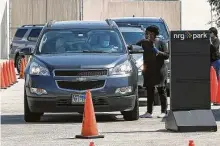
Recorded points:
(72,57)
(25,36)
(132,34)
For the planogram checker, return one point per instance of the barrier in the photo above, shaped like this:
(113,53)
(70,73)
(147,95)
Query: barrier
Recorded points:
(8,75)
(190,105)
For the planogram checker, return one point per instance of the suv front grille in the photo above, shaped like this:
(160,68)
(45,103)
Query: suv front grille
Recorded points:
(70,85)
(80,72)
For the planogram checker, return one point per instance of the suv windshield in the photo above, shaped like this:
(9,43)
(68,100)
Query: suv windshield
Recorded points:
(77,41)
(162,28)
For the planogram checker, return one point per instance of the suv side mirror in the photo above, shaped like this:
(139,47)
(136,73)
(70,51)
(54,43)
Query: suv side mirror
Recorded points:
(26,51)
(135,49)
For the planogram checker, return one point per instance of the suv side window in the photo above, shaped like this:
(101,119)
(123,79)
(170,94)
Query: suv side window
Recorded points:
(20,34)
(33,36)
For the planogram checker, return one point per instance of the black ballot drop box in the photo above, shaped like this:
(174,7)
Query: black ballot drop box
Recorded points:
(190,107)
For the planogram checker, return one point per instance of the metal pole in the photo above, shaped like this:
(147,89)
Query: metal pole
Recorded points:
(46,12)
(82,10)
(211,17)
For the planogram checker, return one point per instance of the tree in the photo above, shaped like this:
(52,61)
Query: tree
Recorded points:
(216,8)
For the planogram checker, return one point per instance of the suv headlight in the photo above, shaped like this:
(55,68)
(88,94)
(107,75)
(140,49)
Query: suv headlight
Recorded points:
(122,69)
(36,69)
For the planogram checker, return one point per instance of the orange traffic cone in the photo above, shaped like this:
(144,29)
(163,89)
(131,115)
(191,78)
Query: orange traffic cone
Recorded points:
(89,125)
(25,62)
(214,84)
(217,101)
(191,143)
(22,69)
(13,70)
(91,144)
(5,73)
(3,85)
(12,74)
(9,73)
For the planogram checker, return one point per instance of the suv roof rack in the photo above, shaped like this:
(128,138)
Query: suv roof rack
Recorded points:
(32,25)
(132,25)
(111,23)
(49,23)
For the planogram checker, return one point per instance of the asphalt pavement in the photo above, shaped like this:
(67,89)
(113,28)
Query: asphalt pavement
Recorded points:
(60,129)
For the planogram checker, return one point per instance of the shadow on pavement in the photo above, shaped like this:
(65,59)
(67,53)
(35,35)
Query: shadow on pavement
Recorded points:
(121,132)
(216,113)
(59,118)
(160,130)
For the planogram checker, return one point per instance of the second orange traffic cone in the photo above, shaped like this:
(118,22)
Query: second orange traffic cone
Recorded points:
(89,125)
(214,84)
(9,72)
(191,143)
(217,101)
(5,74)
(13,70)
(91,144)
(22,69)
(3,85)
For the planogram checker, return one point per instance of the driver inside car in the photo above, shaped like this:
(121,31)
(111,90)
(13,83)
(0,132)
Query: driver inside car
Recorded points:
(60,45)
(104,44)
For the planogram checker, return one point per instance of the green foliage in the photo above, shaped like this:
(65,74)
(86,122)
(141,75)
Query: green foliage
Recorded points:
(216,8)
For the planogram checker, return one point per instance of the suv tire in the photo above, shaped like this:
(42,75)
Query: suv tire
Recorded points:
(18,62)
(28,115)
(133,114)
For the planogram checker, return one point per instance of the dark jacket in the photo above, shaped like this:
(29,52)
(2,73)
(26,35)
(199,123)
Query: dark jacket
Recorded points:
(155,69)
(214,50)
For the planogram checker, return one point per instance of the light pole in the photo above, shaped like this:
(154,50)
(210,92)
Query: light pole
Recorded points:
(211,17)
(81,10)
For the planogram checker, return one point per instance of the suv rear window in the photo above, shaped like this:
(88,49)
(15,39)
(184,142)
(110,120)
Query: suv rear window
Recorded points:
(20,34)
(34,34)
(162,28)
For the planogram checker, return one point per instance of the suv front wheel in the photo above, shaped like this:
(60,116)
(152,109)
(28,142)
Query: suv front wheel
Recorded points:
(133,114)
(28,115)
(18,63)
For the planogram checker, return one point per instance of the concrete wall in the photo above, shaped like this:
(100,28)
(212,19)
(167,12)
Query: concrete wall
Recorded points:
(41,11)
(170,11)
(4,43)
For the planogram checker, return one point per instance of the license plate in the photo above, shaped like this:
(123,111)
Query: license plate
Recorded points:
(78,98)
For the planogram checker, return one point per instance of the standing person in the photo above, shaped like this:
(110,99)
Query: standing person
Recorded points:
(214,50)
(155,69)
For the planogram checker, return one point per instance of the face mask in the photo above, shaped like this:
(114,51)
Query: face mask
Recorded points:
(105,43)
(212,35)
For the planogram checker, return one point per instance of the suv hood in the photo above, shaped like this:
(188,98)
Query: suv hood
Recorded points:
(74,61)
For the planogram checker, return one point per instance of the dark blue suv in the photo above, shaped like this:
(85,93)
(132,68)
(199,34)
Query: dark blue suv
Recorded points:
(71,57)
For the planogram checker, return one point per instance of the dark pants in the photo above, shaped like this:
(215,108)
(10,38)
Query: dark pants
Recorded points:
(150,98)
